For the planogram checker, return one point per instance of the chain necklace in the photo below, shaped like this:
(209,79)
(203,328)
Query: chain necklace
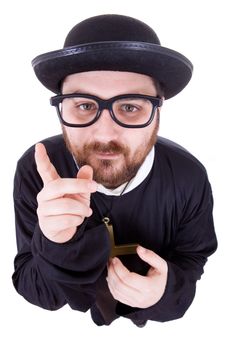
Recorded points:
(121,249)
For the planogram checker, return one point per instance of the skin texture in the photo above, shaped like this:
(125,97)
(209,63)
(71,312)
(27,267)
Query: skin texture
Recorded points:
(115,153)
(108,151)
(63,204)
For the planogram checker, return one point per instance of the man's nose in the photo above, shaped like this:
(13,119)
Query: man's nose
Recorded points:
(106,129)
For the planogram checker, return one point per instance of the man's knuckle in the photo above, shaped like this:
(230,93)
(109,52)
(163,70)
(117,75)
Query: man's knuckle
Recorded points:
(39,211)
(39,197)
(79,220)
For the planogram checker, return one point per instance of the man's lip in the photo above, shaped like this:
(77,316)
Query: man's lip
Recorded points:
(107,155)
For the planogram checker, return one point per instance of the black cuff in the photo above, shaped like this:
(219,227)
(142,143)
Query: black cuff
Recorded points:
(84,257)
(177,297)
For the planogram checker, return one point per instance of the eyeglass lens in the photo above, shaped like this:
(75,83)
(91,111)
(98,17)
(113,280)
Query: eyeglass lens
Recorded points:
(129,111)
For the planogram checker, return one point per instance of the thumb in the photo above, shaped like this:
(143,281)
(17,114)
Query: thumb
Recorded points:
(85,172)
(44,167)
(152,259)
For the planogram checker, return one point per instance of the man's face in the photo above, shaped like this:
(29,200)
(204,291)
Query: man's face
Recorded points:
(114,152)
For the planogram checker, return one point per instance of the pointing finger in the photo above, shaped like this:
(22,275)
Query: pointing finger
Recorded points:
(44,166)
(66,187)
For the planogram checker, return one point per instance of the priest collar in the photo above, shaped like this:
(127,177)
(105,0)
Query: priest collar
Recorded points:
(142,173)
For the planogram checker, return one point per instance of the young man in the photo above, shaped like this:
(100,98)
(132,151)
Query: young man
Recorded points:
(110,217)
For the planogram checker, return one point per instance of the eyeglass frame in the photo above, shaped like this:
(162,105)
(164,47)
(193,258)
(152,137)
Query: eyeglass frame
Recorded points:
(156,102)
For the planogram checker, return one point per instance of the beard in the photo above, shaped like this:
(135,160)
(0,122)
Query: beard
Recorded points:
(109,172)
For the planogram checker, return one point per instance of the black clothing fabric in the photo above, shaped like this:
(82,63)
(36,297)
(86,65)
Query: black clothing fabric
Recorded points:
(170,212)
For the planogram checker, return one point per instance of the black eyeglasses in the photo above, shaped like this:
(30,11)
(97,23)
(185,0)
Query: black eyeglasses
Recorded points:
(130,111)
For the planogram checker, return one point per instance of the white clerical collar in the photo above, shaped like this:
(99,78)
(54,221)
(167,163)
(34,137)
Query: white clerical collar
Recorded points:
(142,173)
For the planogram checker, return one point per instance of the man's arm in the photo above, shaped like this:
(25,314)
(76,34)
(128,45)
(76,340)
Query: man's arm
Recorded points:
(169,287)
(47,273)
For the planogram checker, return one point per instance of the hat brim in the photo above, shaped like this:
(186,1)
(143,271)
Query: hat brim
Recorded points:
(170,68)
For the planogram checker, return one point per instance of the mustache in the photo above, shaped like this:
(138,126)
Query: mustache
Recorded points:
(110,147)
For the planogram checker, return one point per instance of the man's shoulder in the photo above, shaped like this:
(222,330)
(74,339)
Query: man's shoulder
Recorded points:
(178,157)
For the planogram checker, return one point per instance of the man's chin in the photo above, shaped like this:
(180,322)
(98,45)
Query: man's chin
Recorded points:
(113,174)
(107,173)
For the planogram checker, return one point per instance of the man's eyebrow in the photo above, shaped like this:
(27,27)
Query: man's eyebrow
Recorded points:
(81,92)
(139,92)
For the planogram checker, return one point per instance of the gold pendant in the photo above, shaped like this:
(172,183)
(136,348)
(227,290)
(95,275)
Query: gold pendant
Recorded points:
(121,249)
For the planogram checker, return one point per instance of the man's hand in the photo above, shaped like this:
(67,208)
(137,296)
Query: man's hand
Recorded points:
(63,204)
(133,289)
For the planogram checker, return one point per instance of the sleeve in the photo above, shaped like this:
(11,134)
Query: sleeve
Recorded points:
(50,274)
(194,241)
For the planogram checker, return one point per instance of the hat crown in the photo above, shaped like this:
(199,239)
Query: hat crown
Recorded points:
(112,42)
(110,28)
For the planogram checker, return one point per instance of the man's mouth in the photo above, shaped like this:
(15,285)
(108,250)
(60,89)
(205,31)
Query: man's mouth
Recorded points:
(107,155)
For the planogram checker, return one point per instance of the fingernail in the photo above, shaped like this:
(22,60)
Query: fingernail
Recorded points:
(141,249)
(114,261)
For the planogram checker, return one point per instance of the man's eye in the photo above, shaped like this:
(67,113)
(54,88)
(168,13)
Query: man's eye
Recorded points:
(86,106)
(129,108)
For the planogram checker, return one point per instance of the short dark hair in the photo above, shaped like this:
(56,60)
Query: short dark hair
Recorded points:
(159,87)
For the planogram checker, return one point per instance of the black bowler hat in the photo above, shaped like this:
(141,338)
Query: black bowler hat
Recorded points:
(116,43)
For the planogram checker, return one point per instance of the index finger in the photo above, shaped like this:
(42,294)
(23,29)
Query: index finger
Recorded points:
(45,168)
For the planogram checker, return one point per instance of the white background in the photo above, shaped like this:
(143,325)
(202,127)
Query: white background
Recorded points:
(199,119)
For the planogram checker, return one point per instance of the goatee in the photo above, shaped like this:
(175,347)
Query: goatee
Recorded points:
(106,171)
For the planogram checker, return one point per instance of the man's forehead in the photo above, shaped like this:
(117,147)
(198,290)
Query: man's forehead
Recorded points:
(122,82)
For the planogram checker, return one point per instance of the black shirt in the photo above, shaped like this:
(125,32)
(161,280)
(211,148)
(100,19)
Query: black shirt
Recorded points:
(170,212)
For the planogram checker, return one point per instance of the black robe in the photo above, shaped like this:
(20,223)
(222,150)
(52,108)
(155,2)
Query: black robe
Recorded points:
(170,212)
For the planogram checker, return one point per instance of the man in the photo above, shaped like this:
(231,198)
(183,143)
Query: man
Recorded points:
(110,217)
